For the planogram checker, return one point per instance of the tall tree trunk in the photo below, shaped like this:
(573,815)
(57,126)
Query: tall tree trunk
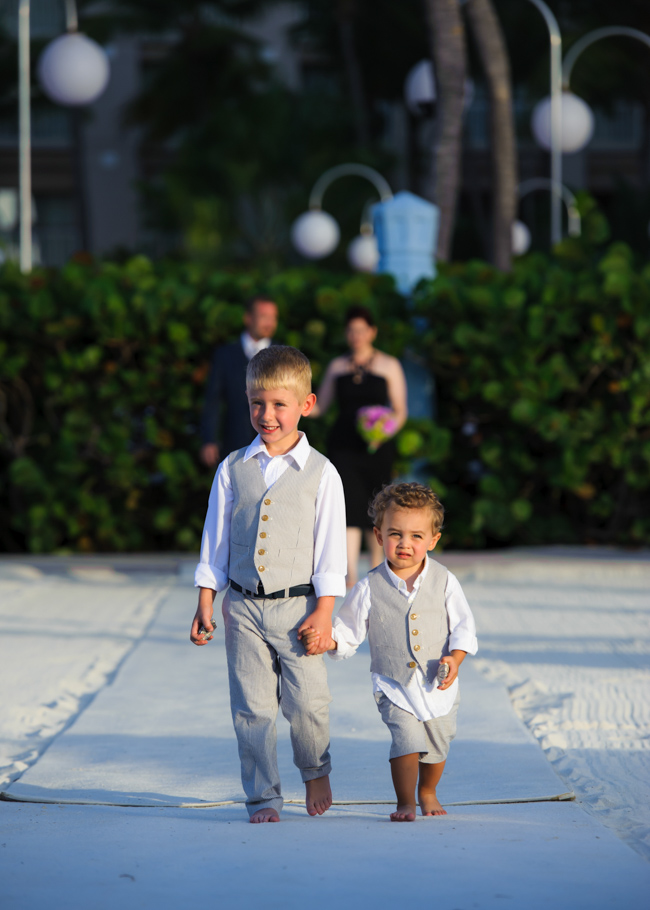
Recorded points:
(447,41)
(487,33)
(345,15)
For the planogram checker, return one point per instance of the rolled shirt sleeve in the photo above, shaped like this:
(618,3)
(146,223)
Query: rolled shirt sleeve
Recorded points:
(330,551)
(350,626)
(462,628)
(212,570)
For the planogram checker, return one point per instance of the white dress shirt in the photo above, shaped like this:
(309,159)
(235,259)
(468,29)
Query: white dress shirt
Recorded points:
(330,559)
(419,697)
(252,345)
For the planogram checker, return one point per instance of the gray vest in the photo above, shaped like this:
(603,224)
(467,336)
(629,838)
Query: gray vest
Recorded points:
(403,637)
(272,530)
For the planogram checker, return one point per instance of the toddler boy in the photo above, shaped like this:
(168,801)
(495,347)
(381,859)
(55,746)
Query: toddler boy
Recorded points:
(275,530)
(416,617)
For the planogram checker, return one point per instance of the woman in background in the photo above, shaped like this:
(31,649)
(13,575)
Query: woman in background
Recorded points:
(356,380)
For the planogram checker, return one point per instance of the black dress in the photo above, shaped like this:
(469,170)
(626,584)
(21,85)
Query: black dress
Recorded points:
(363,474)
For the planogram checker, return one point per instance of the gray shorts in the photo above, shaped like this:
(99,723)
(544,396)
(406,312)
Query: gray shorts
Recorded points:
(431,738)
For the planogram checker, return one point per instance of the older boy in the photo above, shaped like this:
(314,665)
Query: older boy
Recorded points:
(275,530)
(416,618)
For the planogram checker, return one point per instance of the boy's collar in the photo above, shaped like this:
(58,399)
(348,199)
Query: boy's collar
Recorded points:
(398,582)
(299,453)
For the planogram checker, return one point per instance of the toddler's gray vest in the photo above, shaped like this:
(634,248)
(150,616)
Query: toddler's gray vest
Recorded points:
(405,636)
(272,530)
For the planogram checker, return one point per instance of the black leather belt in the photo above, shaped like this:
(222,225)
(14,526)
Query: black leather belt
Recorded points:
(297,591)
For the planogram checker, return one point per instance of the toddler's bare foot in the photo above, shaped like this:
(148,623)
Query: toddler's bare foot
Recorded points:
(430,804)
(405,813)
(264,815)
(319,795)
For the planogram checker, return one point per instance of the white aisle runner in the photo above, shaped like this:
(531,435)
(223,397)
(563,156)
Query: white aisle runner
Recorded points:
(161,734)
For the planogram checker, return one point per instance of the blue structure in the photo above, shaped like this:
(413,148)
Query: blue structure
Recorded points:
(421,387)
(406,228)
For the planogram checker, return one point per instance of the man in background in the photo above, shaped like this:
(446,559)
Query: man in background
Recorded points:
(225,423)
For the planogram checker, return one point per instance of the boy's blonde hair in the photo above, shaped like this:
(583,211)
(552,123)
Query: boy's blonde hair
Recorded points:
(407,496)
(280,367)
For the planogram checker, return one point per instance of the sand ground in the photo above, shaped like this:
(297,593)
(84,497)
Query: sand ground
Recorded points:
(104,701)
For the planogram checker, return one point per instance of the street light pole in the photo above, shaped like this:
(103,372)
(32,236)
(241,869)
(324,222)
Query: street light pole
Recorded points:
(583,43)
(348,170)
(556,118)
(86,77)
(562,192)
(24,139)
(315,233)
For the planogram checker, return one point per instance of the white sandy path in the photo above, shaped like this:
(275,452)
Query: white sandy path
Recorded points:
(62,636)
(571,641)
(570,638)
(535,856)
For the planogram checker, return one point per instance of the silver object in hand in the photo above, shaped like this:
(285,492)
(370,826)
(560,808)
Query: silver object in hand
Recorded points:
(204,631)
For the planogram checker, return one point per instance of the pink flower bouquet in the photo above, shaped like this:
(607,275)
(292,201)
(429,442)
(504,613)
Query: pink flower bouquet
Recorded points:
(376,424)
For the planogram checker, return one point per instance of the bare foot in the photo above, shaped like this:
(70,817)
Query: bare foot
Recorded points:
(404,813)
(319,795)
(430,805)
(264,815)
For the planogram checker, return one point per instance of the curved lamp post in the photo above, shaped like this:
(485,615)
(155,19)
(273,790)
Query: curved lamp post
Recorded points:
(73,70)
(315,234)
(583,43)
(554,118)
(520,232)
(577,116)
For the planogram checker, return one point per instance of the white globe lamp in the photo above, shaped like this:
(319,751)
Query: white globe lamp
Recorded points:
(73,70)
(420,88)
(520,238)
(363,254)
(577,123)
(315,234)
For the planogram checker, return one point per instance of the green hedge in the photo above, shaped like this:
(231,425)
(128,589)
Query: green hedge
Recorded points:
(543,378)
(102,372)
(544,396)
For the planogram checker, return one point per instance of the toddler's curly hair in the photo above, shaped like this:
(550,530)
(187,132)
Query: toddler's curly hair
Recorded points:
(407,496)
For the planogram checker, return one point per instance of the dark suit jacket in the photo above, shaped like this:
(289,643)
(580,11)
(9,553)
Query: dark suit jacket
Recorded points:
(225,418)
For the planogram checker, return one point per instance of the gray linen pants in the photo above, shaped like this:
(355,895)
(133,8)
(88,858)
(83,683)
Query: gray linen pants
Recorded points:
(268,668)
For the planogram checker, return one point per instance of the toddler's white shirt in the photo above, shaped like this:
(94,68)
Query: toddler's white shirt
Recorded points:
(419,697)
(330,560)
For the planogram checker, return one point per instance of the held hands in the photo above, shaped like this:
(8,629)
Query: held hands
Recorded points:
(315,632)
(313,643)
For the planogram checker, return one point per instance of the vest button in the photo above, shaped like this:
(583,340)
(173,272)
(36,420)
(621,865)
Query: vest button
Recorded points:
(415,632)
(414,615)
(261,552)
(265,517)
(267,502)
(412,664)
(416,647)
(263,534)
(261,568)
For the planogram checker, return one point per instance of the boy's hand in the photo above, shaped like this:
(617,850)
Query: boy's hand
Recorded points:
(312,640)
(454,660)
(203,618)
(319,624)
